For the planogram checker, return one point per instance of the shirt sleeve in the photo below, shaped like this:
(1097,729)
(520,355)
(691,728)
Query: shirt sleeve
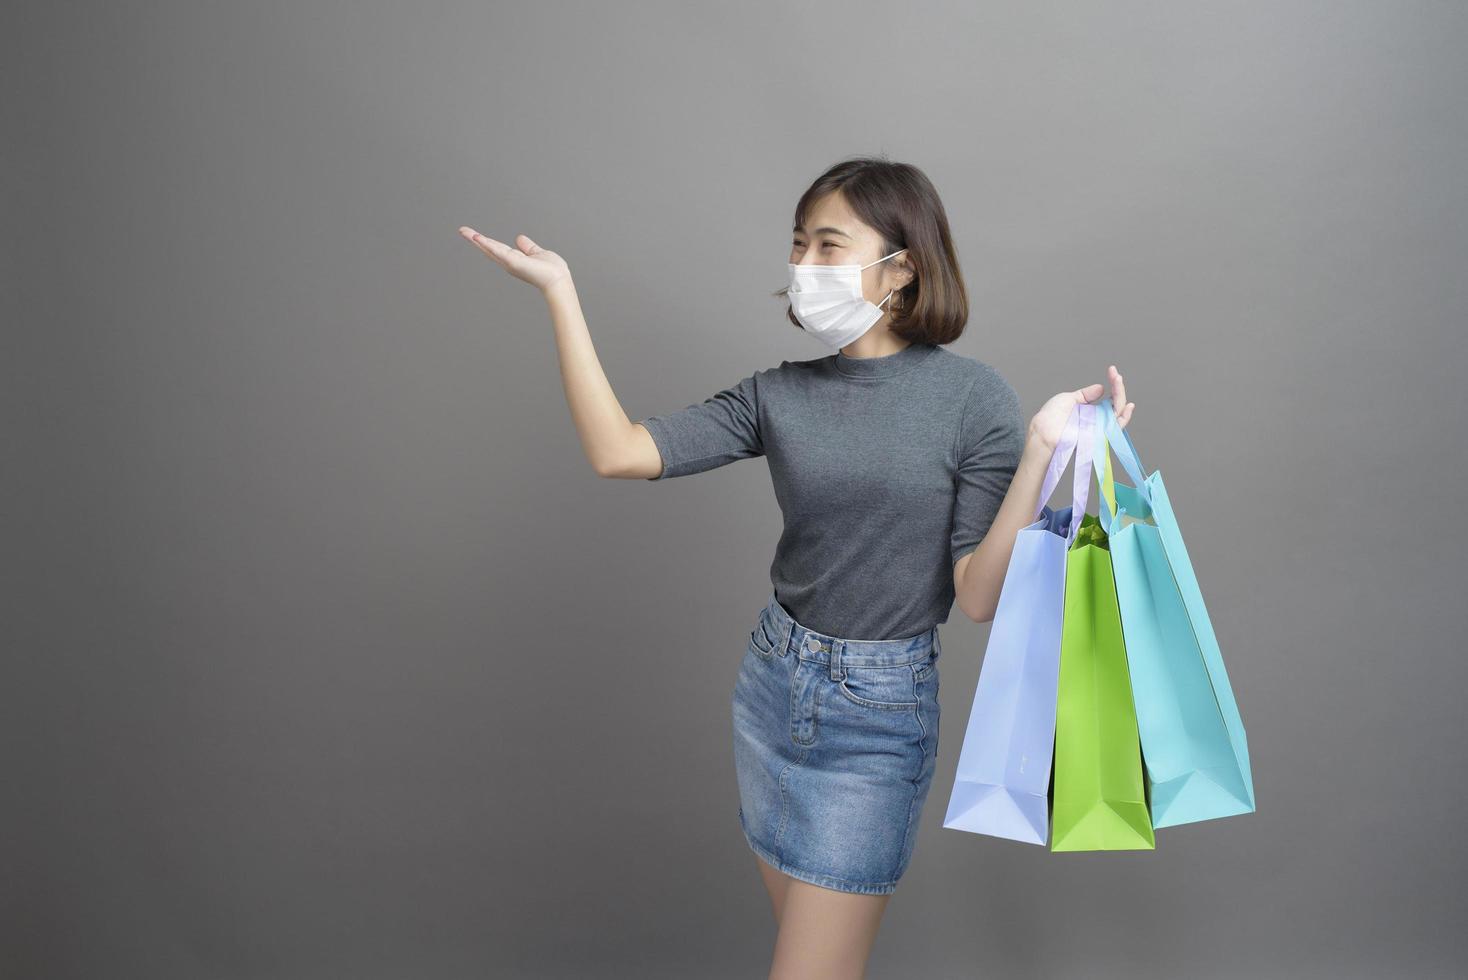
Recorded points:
(990,441)
(719,430)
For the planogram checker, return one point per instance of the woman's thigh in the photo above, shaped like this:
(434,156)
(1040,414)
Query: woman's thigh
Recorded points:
(777,883)
(825,933)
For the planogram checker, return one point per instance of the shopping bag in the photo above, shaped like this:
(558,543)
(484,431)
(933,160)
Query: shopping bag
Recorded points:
(1099,800)
(1193,743)
(1001,784)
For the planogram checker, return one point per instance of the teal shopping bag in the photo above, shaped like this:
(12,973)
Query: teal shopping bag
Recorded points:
(1193,743)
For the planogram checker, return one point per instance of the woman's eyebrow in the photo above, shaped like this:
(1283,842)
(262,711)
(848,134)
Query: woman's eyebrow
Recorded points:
(827,230)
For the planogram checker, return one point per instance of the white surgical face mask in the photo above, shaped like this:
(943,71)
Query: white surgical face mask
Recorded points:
(828,302)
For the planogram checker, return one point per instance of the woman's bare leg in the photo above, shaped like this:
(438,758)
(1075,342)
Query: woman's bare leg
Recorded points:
(776,883)
(825,934)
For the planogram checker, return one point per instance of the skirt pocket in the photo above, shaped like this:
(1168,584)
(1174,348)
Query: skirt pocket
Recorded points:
(760,642)
(891,688)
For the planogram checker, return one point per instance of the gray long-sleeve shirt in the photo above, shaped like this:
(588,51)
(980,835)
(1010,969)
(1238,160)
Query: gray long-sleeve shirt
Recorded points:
(887,471)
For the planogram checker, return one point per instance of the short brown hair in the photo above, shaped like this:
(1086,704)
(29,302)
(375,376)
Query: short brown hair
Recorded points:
(901,204)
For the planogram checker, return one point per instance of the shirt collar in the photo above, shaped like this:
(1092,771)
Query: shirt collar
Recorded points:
(884,366)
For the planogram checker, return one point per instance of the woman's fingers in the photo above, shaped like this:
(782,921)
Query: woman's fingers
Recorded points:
(506,256)
(1119,404)
(499,250)
(488,246)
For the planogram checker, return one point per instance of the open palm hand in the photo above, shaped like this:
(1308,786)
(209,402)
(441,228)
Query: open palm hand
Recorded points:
(526,260)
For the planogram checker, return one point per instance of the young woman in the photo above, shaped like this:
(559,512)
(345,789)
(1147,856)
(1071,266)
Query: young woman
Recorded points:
(904,471)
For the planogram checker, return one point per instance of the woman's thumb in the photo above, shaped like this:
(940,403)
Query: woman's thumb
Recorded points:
(524,244)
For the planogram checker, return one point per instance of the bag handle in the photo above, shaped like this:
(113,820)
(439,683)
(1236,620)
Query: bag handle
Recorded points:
(1107,511)
(1064,449)
(1076,439)
(1121,444)
(1110,435)
(1085,457)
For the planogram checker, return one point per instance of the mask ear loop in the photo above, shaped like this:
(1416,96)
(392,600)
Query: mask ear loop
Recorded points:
(884,259)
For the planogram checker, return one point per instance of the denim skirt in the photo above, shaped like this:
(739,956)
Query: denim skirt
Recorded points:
(835,743)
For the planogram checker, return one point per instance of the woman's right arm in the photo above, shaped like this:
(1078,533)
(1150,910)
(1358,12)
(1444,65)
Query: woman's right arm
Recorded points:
(614,445)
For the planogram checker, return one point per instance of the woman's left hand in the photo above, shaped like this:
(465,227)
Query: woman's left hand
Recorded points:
(1049,421)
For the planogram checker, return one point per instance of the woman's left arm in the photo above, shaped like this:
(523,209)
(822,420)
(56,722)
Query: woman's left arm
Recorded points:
(978,576)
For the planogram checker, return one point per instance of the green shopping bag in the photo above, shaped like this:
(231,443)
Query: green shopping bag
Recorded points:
(1099,799)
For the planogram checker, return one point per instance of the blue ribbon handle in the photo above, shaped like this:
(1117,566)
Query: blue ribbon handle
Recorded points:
(1110,433)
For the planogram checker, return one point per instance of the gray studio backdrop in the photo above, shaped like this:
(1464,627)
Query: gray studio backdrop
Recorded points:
(327,655)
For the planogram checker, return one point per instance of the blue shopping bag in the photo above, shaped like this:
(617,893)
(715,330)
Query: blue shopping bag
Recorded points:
(1001,786)
(1194,748)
